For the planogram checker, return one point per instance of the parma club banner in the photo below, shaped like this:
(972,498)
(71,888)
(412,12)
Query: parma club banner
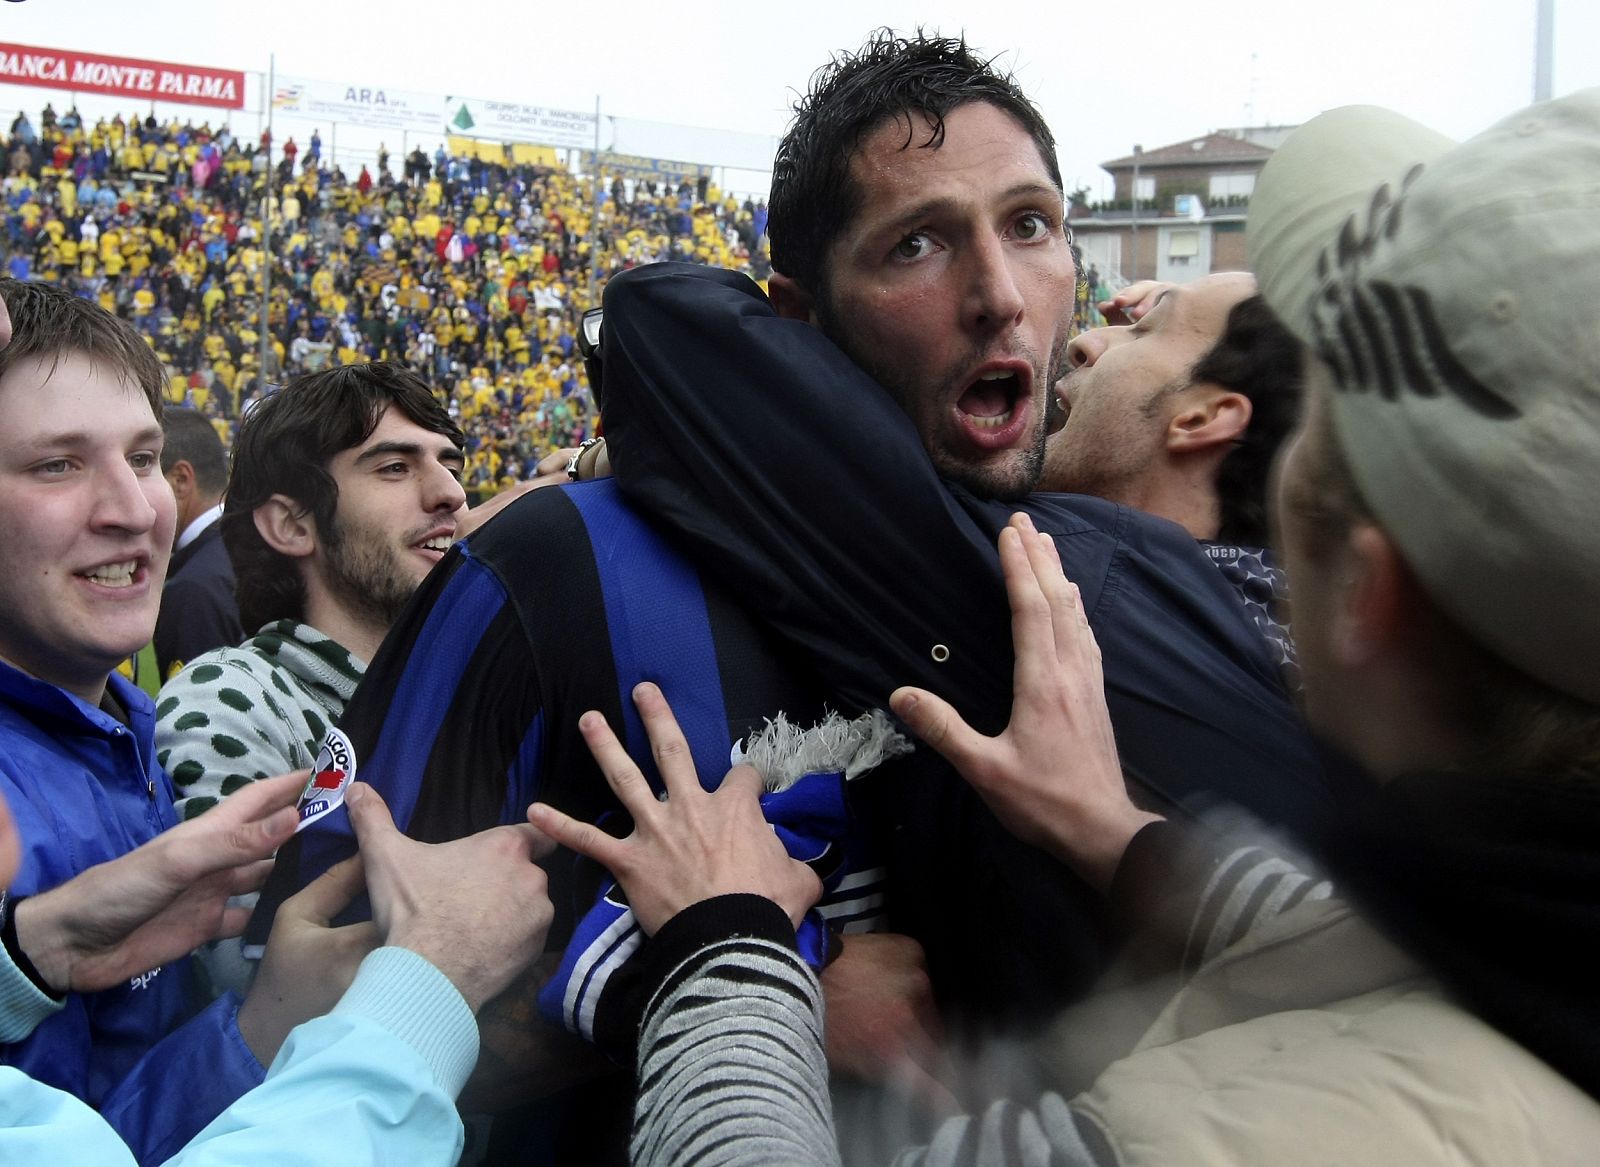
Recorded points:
(121,76)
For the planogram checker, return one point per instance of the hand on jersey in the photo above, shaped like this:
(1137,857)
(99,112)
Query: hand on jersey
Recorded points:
(1052,777)
(693,845)
(162,900)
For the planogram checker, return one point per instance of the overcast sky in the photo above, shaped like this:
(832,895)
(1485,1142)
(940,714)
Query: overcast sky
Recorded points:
(1106,76)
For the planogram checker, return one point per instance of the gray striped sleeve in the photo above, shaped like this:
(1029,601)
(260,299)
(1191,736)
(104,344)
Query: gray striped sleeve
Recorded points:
(731,1068)
(731,1065)
(1248,888)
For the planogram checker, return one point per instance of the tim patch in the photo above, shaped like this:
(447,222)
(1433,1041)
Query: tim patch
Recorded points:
(330,778)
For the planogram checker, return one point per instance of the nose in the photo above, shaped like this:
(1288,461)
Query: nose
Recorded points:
(1088,347)
(442,492)
(121,502)
(994,298)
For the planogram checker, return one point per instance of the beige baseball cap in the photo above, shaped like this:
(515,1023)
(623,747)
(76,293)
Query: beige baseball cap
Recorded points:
(1453,292)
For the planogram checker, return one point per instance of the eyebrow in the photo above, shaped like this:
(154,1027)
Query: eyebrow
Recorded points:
(450,452)
(926,210)
(78,438)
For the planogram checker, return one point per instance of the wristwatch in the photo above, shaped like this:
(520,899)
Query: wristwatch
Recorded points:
(577,456)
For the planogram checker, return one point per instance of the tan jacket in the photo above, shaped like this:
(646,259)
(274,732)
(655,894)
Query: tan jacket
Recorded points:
(1315,1041)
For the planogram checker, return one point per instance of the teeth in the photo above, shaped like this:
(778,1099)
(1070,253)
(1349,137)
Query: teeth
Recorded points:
(114,575)
(438,543)
(996,376)
(991,423)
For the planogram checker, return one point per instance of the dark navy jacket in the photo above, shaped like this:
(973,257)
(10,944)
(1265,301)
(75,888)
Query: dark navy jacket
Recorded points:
(791,477)
(198,608)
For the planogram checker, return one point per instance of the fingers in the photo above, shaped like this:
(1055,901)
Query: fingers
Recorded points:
(530,842)
(584,838)
(743,780)
(1031,635)
(246,826)
(329,894)
(936,722)
(622,775)
(248,877)
(667,743)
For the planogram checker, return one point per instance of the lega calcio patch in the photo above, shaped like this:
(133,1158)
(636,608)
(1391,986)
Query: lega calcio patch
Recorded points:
(330,778)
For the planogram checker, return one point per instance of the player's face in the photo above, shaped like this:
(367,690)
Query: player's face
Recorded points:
(86,519)
(953,286)
(399,498)
(1122,384)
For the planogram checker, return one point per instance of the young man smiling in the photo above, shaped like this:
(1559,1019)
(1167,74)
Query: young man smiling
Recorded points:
(345,492)
(88,519)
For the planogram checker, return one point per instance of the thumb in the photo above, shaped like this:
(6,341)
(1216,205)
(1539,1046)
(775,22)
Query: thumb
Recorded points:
(369,817)
(935,721)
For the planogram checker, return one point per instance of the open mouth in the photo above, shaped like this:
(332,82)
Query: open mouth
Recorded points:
(990,402)
(994,409)
(114,575)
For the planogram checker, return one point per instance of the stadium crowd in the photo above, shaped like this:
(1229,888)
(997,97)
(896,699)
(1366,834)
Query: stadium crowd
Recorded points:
(473,273)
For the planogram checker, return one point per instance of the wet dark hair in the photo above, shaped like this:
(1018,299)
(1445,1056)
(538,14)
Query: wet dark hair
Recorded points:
(284,446)
(48,322)
(814,193)
(191,438)
(1260,359)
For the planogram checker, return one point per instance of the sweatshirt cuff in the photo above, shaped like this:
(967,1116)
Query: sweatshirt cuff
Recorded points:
(413,1000)
(23,1005)
(743,915)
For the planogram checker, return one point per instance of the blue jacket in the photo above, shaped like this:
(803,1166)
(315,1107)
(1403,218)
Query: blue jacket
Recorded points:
(84,788)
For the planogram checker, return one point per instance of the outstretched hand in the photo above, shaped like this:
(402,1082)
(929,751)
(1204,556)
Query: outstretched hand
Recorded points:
(1052,778)
(693,845)
(162,900)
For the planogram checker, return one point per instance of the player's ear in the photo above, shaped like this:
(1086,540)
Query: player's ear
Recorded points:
(1208,416)
(286,526)
(789,299)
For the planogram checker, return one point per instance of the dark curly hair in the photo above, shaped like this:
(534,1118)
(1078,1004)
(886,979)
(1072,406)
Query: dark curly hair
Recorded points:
(814,194)
(284,446)
(1259,358)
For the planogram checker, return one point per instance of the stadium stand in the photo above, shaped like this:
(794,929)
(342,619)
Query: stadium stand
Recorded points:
(473,271)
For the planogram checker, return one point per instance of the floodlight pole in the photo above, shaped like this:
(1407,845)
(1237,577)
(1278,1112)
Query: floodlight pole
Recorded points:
(594,222)
(1544,41)
(266,233)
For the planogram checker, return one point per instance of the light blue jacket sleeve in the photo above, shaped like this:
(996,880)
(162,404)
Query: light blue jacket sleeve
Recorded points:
(22,1005)
(375,1082)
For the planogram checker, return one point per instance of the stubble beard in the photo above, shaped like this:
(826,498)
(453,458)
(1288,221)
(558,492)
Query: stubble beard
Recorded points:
(1008,477)
(363,575)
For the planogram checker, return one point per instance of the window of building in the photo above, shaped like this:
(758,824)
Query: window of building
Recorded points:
(1183,246)
(1224,185)
(1145,188)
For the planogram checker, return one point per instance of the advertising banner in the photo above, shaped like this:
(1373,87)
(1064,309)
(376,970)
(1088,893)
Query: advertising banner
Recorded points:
(121,76)
(357,101)
(636,166)
(511,121)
